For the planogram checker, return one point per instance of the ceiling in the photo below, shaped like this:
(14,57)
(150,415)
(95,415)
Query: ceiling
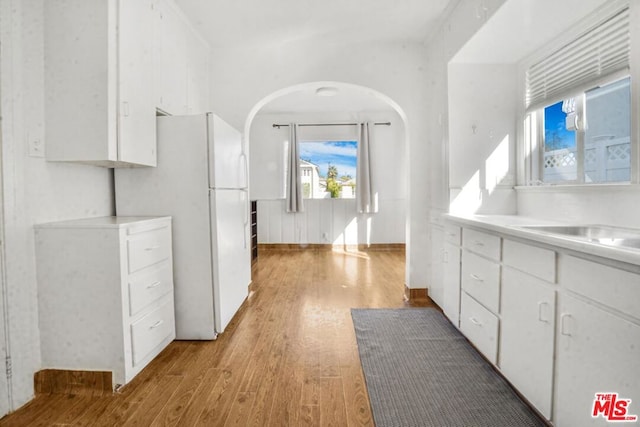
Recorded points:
(258,22)
(250,23)
(514,31)
(348,98)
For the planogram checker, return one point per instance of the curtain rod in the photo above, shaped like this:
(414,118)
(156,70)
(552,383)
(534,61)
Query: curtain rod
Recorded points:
(275,125)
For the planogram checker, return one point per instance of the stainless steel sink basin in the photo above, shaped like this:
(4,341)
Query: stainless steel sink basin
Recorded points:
(604,235)
(630,242)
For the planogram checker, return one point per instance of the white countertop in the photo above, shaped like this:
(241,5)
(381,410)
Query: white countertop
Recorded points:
(511,225)
(101,222)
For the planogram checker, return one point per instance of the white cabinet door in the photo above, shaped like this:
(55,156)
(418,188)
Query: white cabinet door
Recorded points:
(98,82)
(173,61)
(598,352)
(480,326)
(526,337)
(198,59)
(480,278)
(451,280)
(136,110)
(436,287)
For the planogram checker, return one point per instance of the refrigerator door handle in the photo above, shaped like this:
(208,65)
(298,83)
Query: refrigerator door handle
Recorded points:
(246,169)
(246,215)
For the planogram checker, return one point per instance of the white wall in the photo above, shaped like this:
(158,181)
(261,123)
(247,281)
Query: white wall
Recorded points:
(331,221)
(482,138)
(34,191)
(609,204)
(325,221)
(243,77)
(456,30)
(441,119)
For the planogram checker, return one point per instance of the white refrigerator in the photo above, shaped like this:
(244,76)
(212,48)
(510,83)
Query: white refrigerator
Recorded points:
(201,181)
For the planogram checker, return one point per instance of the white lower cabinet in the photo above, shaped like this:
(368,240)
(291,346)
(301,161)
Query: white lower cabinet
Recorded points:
(527,327)
(598,352)
(560,327)
(105,293)
(451,280)
(436,288)
(481,279)
(480,326)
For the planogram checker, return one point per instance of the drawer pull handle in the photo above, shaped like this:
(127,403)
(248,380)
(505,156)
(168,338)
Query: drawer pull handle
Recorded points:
(564,326)
(477,243)
(451,234)
(151,248)
(155,325)
(474,321)
(476,278)
(540,310)
(154,285)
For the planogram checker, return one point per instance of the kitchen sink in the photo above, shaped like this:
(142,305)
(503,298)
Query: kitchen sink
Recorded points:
(609,236)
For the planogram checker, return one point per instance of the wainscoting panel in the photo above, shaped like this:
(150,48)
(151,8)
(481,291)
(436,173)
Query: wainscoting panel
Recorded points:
(331,221)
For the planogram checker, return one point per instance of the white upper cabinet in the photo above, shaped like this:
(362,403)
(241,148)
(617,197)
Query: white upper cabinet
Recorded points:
(172,83)
(198,71)
(137,125)
(99,105)
(182,83)
(109,66)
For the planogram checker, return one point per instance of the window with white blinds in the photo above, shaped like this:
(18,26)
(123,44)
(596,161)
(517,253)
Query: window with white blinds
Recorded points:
(597,53)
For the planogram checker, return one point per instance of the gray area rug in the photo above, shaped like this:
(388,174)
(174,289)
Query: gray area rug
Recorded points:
(421,371)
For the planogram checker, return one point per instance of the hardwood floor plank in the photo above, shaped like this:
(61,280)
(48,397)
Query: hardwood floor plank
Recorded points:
(310,416)
(241,409)
(289,357)
(95,412)
(38,408)
(149,409)
(193,370)
(75,406)
(286,400)
(196,405)
(310,386)
(216,408)
(332,404)
(356,397)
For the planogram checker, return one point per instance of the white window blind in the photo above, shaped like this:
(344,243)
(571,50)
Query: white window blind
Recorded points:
(601,51)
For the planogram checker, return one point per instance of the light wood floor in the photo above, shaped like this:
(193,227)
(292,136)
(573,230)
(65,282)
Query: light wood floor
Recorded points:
(289,358)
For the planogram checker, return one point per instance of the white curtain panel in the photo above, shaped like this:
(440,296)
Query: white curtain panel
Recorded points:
(294,185)
(365,195)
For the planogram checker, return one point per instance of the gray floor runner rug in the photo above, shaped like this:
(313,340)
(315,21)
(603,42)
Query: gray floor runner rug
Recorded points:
(421,371)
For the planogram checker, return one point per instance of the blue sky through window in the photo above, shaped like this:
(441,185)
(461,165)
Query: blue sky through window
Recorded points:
(341,154)
(556,135)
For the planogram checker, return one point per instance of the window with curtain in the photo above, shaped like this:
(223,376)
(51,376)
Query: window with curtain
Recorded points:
(328,169)
(578,101)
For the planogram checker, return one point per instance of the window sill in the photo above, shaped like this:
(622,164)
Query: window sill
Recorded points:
(578,188)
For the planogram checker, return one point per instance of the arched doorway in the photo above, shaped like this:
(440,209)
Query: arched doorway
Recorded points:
(329,222)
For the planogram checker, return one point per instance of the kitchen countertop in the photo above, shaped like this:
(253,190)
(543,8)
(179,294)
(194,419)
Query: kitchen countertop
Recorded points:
(101,222)
(511,226)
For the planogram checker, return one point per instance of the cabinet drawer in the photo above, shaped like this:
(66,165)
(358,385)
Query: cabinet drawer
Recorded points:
(480,326)
(149,285)
(481,280)
(611,286)
(148,248)
(482,243)
(533,260)
(148,332)
(452,234)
